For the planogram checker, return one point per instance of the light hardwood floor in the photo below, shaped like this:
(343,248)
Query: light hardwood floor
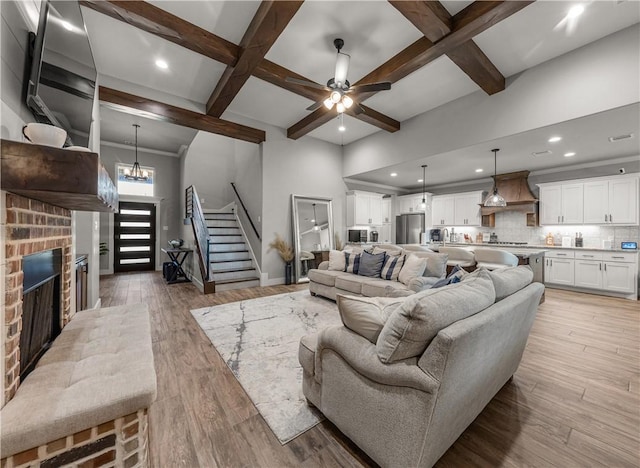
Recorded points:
(574,401)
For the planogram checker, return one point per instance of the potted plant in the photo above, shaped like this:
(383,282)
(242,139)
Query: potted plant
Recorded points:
(286,253)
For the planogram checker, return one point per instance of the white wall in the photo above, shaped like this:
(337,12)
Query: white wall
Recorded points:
(599,76)
(305,167)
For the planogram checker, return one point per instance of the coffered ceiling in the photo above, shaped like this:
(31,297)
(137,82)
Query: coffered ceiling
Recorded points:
(243,50)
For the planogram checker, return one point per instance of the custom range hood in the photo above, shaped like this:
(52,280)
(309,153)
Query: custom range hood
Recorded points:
(514,187)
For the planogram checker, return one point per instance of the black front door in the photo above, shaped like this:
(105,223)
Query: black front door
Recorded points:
(135,237)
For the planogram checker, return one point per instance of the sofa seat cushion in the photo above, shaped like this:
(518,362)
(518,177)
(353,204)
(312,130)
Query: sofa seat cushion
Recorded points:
(412,326)
(98,369)
(326,277)
(380,287)
(351,283)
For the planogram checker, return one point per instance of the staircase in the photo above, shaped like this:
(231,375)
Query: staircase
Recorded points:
(230,263)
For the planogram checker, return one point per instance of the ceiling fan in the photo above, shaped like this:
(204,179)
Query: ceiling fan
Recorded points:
(339,87)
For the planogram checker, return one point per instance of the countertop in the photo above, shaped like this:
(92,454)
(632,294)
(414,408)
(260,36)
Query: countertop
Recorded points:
(541,247)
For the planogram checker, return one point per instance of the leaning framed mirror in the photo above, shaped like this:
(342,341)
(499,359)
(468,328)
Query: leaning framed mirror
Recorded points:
(312,233)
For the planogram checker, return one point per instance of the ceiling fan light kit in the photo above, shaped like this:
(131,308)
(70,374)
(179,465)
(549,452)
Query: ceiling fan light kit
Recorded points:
(495,199)
(339,86)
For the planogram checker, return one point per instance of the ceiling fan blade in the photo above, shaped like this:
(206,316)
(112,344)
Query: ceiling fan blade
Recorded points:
(314,106)
(342,67)
(367,88)
(309,84)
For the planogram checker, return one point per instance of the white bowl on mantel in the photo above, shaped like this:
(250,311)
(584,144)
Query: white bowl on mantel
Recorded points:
(44,134)
(82,149)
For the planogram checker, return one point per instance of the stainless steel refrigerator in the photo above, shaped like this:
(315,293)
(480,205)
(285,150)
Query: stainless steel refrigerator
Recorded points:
(409,228)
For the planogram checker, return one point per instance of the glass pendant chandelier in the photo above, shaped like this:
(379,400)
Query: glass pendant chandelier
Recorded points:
(136,173)
(495,199)
(423,205)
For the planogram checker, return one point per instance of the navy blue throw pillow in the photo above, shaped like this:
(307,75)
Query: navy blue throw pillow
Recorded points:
(371,264)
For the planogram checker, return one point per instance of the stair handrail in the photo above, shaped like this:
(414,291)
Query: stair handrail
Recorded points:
(246,211)
(200,229)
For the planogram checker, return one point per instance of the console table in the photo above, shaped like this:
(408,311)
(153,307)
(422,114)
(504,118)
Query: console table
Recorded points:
(177,256)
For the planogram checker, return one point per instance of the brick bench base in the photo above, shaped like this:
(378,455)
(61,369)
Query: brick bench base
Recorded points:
(121,442)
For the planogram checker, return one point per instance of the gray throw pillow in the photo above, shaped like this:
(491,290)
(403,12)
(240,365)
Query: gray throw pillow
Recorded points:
(412,326)
(508,280)
(371,264)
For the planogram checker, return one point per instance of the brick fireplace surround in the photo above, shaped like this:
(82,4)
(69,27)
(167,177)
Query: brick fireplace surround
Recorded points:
(33,226)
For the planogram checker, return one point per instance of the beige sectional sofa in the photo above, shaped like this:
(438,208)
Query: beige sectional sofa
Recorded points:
(406,394)
(329,283)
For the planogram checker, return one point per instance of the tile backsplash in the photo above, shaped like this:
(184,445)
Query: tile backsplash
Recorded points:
(511,226)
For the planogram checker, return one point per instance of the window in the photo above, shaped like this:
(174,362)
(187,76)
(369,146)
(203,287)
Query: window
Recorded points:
(134,187)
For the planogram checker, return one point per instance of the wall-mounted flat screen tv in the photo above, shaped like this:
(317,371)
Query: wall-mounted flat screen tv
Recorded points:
(62,76)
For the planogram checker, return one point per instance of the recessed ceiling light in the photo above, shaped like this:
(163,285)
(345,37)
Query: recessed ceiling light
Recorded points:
(575,11)
(162,64)
(479,170)
(555,139)
(394,174)
(568,155)
(420,181)
(67,26)
(342,128)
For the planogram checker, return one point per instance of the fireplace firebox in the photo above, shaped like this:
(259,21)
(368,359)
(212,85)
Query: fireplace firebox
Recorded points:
(41,304)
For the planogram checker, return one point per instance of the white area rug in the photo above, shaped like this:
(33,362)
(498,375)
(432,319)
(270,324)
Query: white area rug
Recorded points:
(258,339)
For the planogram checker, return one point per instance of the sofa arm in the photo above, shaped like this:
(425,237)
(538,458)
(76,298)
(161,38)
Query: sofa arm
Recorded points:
(323,265)
(361,355)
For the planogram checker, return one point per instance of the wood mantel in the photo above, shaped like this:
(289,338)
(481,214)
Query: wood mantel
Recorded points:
(69,179)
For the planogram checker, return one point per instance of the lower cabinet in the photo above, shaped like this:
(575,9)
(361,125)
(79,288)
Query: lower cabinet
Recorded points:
(614,272)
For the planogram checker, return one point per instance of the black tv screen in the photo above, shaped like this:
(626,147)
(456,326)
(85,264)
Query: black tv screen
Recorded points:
(62,77)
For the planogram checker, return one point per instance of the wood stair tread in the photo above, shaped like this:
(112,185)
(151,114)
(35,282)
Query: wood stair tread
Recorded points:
(231,261)
(236,280)
(233,270)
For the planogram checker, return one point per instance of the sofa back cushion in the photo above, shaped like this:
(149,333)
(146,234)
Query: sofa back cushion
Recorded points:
(371,264)
(412,326)
(436,263)
(366,315)
(507,281)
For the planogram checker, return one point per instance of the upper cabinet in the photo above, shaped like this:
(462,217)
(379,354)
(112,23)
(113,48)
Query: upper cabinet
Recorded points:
(461,209)
(410,204)
(386,210)
(610,200)
(561,204)
(364,208)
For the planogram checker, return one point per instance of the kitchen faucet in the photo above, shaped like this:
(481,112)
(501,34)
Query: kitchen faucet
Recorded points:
(445,234)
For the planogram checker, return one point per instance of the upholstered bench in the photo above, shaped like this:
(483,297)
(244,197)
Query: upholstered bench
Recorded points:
(87,399)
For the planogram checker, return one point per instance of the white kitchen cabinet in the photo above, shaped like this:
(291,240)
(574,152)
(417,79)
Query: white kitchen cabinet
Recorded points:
(386,210)
(467,209)
(605,272)
(461,209)
(410,204)
(611,201)
(561,204)
(364,208)
(559,267)
(384,236)
(442,211)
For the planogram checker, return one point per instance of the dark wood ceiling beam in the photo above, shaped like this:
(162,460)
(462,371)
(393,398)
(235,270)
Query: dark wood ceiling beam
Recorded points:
(154,20)
(376,119)
(476,18)
(312,121)
(160,111)
(431,18)
(471,60)
(266,26)
(277,75)
(435,22)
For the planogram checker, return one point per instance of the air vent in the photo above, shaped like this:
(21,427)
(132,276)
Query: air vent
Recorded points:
(536,154)
(613,139)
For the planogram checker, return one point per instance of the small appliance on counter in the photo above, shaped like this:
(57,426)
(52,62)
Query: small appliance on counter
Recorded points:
(357,235)
(435,235)
(629,245)
(493,238)
(579,240)
(373,236)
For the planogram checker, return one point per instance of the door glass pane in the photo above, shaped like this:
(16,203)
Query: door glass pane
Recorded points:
(134,224)
(136,212)
(136,248)
(135,236)
(128,261)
